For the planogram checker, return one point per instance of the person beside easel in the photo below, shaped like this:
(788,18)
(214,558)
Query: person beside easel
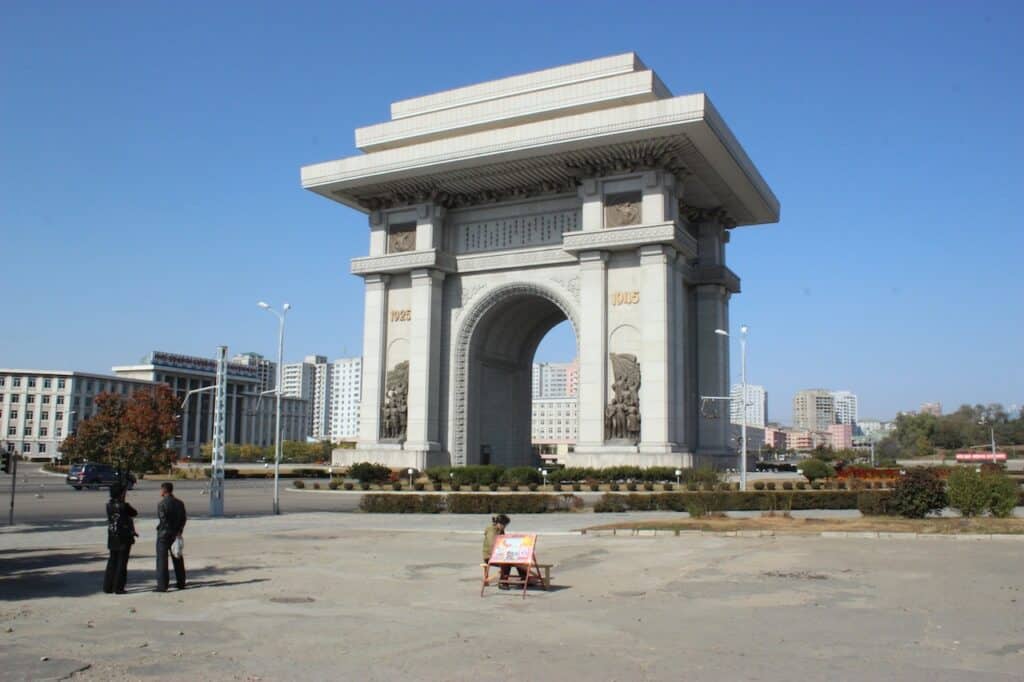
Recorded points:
(498,525)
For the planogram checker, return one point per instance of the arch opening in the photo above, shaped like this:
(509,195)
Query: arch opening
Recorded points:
(500,356)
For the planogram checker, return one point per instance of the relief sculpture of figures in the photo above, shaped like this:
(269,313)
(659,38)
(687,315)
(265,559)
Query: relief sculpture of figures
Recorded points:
(395,409)
(622,415)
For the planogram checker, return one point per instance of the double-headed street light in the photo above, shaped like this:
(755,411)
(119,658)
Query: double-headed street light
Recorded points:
(277,399)
(743,382)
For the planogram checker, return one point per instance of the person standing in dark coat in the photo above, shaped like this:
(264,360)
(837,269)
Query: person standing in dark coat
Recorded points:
(171,512)
(120,538)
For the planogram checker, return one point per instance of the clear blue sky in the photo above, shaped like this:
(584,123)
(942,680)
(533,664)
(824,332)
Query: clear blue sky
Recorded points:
(150,154)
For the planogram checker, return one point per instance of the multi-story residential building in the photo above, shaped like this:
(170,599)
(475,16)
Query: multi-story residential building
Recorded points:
(266,370)
(311,380)
(554,421)
(556,379)
(799,439)
(813,409)
(250,418)
(346,392)
(40,408)
(840,436)
(774,437)
(756,402)
(932,408)
(845,406)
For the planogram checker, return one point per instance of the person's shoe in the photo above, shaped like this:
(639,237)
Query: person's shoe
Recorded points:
(503,586)
(119,592)
(160,590)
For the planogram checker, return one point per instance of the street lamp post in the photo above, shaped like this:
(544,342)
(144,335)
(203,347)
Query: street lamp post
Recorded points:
(743,388)
(277,400)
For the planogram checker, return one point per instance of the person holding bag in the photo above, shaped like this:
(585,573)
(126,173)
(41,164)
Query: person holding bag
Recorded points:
(171,512)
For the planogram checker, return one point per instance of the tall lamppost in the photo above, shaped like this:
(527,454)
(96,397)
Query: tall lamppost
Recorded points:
(743,388)
(277,399)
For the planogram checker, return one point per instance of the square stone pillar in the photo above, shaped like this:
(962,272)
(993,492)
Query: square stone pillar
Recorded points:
(593,343)
(422,429)
(656,390)
(679,430)
(429,225)
(713,366)
(374,337)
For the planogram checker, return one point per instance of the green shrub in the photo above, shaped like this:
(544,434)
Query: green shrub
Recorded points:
(418,485)
(817,485)
(648,486)
(576,487)
(456,487)
(968,491)
(840,485)
(758,485)
(668,487)
(1004,494)
(787,485)
(478,474)
(595,486)
(437,486)
(365,485)
(918,493)
(402,504)
(513,486)
(631,486)
(874,503)
(333,485)
(316,485)
(348,485)
(557,487)
(511,504)
(475,487)
(493,487)
(814,469)
(610,503)
(368,472)
(692,487)
(533,487)
(521,476)
(771,485)
(800,485)
(299,483)
(614,487)
(397,485)
(695,509)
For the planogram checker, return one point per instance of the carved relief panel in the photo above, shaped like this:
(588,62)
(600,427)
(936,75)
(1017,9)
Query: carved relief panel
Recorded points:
(624,208)
(401,237)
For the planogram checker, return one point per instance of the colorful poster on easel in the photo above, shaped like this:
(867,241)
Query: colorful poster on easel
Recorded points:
(513,549)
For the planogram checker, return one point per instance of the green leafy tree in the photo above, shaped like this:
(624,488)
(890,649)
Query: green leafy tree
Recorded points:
(1003,494)
(969,492)
(814,469)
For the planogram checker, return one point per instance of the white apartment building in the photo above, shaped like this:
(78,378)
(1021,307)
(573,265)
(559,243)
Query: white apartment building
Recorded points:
(266,370)
(556,379)
(554,421)
(40,408)
(311,380)
(845,406)
(756,402)
(346,392)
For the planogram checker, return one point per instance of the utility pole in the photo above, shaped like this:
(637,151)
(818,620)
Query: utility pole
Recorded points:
(14,479)
(219,419)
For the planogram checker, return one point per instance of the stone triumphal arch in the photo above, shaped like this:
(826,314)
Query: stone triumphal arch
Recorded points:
(585,193)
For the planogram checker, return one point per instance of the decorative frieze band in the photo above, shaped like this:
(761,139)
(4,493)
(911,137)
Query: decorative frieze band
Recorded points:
(634,236)
(401,262)
(716,274)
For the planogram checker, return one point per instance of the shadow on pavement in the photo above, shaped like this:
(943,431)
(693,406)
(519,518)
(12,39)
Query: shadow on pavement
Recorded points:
(33,574)
(57,526)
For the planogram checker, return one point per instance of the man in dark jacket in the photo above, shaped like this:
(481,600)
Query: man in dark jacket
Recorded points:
(171,512)
(120,538)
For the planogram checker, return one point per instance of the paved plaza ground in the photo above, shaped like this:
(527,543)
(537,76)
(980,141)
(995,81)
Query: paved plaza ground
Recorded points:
(353,596)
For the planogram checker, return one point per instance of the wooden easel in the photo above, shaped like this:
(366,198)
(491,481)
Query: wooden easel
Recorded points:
(525,558)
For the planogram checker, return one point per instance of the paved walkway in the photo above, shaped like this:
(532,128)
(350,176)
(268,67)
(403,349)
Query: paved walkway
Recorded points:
(349,596)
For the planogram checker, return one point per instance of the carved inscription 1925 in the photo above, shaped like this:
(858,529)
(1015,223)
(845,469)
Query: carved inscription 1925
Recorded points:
(401,315)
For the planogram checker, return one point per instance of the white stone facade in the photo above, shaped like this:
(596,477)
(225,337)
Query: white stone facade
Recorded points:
(554,421)
(585,193)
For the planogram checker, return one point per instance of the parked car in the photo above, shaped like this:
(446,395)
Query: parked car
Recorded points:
(91,475)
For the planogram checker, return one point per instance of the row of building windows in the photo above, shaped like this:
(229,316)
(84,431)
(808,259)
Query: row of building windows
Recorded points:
(30,382)
(43,415)
(42,431)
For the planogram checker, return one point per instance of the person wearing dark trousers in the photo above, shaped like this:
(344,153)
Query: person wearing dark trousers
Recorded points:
(171,513)
(120,538)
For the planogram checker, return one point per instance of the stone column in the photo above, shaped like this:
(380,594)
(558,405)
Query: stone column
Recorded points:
(679,432)
(712,348)
(422,431)
(593,342)
(656,404)
(374,338)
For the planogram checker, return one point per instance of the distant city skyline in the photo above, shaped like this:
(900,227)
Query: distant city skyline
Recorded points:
(186,209)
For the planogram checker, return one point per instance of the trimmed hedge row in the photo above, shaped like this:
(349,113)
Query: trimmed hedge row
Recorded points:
(485,475)
(468,504)
(873,502)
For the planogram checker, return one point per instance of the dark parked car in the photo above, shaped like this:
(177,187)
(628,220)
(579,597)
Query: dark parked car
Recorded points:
(90,475)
